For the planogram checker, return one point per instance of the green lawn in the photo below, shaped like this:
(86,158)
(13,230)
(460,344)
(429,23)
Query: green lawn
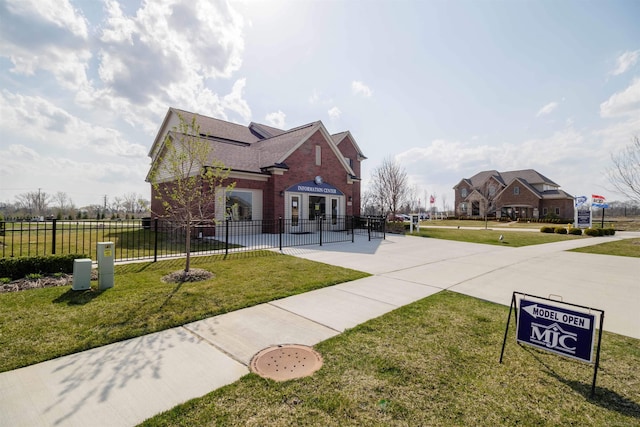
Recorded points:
(432,363)
(626,247)
(510,238)
(41,324)
(80,237)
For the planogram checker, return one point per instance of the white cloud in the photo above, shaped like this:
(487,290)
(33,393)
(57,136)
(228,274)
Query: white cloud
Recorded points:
(359,88)
(623,103)
(276,119)
(40,121)
(547,109)
(118,28)
(59,45)
(163,54)
(315,97)
(58,12)
(235,102)
(334,113)
(625,61)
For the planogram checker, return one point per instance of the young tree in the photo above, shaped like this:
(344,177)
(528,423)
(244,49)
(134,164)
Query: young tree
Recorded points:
(390,185)
(186,177)
(624,175)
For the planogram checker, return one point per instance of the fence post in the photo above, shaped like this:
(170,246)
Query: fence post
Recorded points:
(369,227)
(384,228)
(353,228)
(226,237)
(155,240)
(280,227)
(53,236)
(321,221)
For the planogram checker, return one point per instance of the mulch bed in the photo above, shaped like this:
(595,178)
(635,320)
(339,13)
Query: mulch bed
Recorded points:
(194,275)
(42,282)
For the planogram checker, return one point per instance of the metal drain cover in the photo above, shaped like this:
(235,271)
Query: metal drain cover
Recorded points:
(286,362)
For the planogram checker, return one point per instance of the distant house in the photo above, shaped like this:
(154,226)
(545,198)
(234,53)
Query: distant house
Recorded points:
(515,194)
(299,173)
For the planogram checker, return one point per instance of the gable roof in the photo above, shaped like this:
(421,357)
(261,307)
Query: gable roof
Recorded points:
(252,148)
(529,178)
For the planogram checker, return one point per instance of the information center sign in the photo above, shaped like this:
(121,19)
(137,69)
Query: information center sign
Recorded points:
(556,329)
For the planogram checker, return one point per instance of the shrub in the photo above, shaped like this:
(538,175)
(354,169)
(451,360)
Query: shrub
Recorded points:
(593,232)
(575,231)
(17,268)
(609,231)
(546,229)
(560,230)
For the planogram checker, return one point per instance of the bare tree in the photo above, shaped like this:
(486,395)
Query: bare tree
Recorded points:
(186,179)
(62,202)
(390,185)
(444,203)
(370,203)
(35,202)
(624,175)
(130,202)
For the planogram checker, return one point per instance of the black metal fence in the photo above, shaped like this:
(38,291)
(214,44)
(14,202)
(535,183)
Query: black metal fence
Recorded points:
(153,238)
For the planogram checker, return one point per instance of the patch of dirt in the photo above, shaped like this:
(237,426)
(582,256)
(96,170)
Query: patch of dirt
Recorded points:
(193,275)
(42,282)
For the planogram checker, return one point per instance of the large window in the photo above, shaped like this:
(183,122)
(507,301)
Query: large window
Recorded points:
(240,205)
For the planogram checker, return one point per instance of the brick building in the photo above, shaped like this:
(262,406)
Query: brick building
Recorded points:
(515,194)
(300,173)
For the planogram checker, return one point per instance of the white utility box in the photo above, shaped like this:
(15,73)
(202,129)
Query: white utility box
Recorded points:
(105,265)
(81,274)
(415,223)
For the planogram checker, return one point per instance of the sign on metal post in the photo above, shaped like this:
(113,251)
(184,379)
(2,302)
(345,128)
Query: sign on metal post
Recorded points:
(556,329)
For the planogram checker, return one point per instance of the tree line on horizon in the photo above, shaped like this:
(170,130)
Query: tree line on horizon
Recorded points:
(40,204)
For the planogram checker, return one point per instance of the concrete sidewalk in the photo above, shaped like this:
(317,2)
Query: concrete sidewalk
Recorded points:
(124,383)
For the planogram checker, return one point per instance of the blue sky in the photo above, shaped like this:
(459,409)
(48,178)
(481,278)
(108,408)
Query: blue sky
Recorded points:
(447,88)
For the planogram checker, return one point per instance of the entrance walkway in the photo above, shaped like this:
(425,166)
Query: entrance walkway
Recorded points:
(124,383)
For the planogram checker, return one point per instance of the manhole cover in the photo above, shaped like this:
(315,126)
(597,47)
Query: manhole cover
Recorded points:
(286,362)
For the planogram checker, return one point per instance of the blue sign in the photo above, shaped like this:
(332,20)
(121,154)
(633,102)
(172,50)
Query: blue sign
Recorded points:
(556,329)
(580,201)
(315,187)
(583,218)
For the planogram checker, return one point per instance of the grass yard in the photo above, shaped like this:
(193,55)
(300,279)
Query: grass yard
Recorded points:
(510,238)
(626,247)
(432,363)
(41,324)
(130,239)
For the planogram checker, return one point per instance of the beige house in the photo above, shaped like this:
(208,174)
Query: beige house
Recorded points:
(514,194)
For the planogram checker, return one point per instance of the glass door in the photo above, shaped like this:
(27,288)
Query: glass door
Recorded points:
(294,213)
(317,207)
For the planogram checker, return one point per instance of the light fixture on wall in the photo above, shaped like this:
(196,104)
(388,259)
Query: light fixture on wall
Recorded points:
(350,198)
(281,193)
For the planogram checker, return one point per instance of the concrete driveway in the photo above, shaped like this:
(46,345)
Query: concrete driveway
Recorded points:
(493,273)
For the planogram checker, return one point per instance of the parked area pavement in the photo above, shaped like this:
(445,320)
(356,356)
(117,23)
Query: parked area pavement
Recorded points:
(124,383)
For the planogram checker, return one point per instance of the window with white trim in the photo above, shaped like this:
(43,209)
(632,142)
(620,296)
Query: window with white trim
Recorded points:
(516,190)
(318,155)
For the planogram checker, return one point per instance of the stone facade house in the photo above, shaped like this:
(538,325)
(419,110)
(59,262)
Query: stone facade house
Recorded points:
(299,173)
(515,194)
